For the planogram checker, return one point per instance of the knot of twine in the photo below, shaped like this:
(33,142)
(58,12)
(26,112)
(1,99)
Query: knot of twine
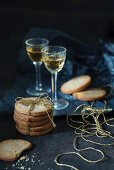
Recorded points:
(44,101)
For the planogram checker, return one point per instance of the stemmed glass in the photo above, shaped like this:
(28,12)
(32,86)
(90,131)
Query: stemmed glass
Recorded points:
(54,59)
(34,48)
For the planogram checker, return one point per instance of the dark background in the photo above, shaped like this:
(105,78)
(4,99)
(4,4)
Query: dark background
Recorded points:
(86,20)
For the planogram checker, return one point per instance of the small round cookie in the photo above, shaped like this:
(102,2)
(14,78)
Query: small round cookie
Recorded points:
(24,117)
(40,109)
(90,94)
(35,129)
(76,84)
(30,124)
(38,133)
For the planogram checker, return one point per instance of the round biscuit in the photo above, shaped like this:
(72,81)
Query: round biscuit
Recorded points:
(90,94)
(30,124)
(36,128)
(38,110)
(38,133)
(76,84)
(24,117)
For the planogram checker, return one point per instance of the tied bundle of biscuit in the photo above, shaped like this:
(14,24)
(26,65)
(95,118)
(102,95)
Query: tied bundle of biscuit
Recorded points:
(78,87)
(34,115)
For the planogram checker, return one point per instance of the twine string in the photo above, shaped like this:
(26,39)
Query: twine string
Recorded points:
(44,101)
(88,129)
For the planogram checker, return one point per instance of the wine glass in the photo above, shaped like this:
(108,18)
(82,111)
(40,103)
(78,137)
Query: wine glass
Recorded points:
(54,59)
(34,48)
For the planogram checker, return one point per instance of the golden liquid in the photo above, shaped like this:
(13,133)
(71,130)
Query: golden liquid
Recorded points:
(54,65)
(34,55)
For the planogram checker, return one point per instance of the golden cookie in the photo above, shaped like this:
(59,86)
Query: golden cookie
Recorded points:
(76,84)
(30,124)
(39,109)
(90,94)
(38,133)
(36,128)
(11,149)
(24,117)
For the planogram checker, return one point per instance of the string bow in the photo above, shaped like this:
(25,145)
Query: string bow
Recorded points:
(45,101)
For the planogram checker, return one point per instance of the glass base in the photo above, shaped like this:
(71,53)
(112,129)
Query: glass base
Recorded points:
(37,92)
(60,104)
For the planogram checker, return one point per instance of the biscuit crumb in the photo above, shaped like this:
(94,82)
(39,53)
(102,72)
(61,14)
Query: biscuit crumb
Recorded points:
(23,162)
(13,165)
(22,167)
(22,158)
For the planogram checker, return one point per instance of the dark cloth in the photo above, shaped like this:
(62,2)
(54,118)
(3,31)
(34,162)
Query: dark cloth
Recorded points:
(80,60)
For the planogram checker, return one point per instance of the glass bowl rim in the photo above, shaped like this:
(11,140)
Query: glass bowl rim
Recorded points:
(64,50)
(26,42)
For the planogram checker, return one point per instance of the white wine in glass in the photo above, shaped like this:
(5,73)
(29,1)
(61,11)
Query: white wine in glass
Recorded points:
(54,59)
(34,48)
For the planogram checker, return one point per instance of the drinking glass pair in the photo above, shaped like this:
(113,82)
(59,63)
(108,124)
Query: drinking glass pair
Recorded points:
(54,59)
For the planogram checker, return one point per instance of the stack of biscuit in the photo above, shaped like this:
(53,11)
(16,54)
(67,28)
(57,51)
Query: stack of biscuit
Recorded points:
(35,121)
(78,87)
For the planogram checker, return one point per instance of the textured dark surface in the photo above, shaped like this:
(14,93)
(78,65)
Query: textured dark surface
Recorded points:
(87,21)
(48,146)
(60,140)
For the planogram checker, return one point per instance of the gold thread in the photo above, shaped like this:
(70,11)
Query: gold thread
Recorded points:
(84,130)
(43,101)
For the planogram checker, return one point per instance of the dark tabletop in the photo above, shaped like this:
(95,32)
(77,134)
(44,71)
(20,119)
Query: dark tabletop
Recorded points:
(45,148)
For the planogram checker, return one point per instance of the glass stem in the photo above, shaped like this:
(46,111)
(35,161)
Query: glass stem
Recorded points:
(54,86)
(38,76)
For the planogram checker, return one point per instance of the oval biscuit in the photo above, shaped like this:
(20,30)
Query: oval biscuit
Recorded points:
(76,84)
(90,94)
